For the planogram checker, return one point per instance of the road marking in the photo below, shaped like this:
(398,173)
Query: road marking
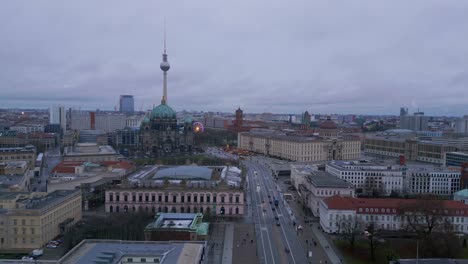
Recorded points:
(265,182)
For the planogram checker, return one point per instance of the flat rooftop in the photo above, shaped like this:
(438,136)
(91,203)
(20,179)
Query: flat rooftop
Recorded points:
(322,179)
(44,201)
(112,251)
(184,173)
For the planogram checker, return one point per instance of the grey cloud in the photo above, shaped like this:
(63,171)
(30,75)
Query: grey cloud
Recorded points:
(326,57)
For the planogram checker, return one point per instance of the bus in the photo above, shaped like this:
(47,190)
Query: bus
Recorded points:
(39,160)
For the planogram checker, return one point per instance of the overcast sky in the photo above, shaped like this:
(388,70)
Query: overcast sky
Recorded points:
(264,56)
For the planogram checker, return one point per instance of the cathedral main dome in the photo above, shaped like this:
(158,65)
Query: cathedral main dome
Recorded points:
(163,111)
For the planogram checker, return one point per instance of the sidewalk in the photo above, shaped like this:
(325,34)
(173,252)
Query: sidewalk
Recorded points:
(325,250)
(245,251)
(228,244)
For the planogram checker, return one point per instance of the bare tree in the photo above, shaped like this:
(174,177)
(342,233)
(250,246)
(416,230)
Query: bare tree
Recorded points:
(372,234)
(424,216)
(350,228)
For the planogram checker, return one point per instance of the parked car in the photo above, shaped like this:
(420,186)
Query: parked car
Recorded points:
(27,258)
(272,208)
(278,223)
(37,252)
(51,245)
(276,218)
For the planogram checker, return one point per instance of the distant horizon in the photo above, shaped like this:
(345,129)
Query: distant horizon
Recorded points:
(232,112)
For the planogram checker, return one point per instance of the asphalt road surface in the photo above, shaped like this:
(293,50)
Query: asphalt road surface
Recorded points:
(51,159)
(275,243)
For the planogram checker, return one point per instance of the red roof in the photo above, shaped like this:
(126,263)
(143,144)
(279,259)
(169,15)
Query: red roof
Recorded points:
(69,166)
(380,205)
(123,164)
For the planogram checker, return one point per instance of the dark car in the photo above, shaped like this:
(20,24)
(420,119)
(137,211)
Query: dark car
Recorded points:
(278,223)
(286,250)
(272,208)
(276,218)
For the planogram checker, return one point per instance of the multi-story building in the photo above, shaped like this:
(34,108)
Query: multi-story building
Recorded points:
(30,220)
(382,178)
(369,177)
(125,252)
(178,226)
(15,176)
(183,189)
(411,149)
(129,137)
(456,159)
(461,125)
(108,122)
(300,148)
(337,213)
(432,180)
(57,115)
(416,122)
(134,121)
(90,152)
(126,104)
(313,186)
(28,128)
(27,154)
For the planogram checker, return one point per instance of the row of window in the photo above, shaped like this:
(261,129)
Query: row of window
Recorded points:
(15,240)
(173,198)
(166,209)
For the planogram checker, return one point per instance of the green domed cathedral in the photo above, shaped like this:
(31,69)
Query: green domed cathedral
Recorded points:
(161,135)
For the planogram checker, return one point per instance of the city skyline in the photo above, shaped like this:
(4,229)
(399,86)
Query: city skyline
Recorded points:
(360,58)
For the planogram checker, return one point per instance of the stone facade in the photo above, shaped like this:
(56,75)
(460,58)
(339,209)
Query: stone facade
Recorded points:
(219,201)
(300,148)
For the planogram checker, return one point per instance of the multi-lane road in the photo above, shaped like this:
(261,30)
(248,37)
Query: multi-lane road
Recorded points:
(277,238)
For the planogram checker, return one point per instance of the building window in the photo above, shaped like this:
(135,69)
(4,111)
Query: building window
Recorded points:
(23,222)
(153,198)
(146,198)
(182,199)
(125,198)
(129,259)
(111,197)
(230,199)
(214,198)
(237,199)
(142,260)
(222,199)
(134,198)
(166,198)
(195,198)
(140,198)
(117,197)
(201,199)
(208,199)
(174,199)
(15,222)
(159,198)
(189,199)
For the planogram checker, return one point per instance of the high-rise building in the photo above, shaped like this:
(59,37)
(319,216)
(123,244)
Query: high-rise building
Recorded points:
(403,111)
(126,104)
(57,115)
(416,122)
(461,125)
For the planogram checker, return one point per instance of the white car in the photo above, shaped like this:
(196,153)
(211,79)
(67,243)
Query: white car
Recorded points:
(27,258)
(51,246)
